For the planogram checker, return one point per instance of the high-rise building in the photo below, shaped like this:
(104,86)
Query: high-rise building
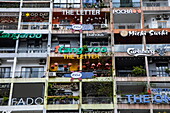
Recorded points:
(84,56)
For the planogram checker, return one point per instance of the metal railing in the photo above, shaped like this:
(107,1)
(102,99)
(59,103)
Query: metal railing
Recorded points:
(96,5)
(157,73)
(66,5)
(132,4)
(7,50)
(32,50)
(9,5)
(157,25)
(30,74)
(155,3)
(62,100)
(97,100)
(8,27)
(157,46)
(127,26)
(36,5)
(123,48)
(127,73)
(35,25)
(5,74)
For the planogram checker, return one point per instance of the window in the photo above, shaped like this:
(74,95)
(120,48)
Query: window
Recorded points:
(64,43)
(162,24)
(160,69)
(125,3)
(32,72)
(5,72)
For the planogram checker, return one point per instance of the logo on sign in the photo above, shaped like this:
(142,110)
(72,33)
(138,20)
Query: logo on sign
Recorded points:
(76,75)
(77,27)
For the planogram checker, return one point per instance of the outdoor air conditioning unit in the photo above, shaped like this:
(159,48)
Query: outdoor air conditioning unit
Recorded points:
(56,26)
(52,74)
(104,26)
(42,61)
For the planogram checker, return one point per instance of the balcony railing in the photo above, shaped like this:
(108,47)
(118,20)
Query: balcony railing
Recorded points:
(123,48)
(9,5)
(157,73)
(96,5)
(5,74)
(8,27)
(3,101)
(66,5)
(155,3)
(30,74)
(157,46)
(164,24)
(97,100)
(32,50)
(7,50)
(36,5)
(127,26)
(132,4)
(62,100)
(127,73)
(34,25)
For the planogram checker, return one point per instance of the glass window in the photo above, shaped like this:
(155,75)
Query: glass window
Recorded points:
(5,72)
(32,72)
(162,24)
(160,69)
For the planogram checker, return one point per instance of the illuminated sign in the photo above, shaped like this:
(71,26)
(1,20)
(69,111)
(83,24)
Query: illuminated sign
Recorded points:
(82,56)
(16,36)
(27,101)
(96,34)
(35,14)
(81,50)
(143,33)
(148,99)
(84,27)
(159,90)
(77,27)
(139,52)
(81,12)
(126,11)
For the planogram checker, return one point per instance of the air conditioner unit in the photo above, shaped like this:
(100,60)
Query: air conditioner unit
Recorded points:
(52,74)
(56,26)
(104,26)
(42,61)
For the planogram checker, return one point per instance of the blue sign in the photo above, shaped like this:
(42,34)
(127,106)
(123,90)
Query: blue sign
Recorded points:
(85,75)
(147,99)
(87,27)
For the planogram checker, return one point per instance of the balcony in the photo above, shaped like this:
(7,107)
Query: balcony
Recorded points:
(96,5)
(155,3)
(132,4)
(97,100)
(30,74)
(157,73)
(127,26)
(66,5)
(8,27)
(5,74)
(163,24)
(7,50)
(36,5)
(34,26)
(9,5)
(123,48)
(32,50)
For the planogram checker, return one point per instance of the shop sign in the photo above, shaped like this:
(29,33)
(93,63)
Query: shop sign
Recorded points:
(139,52)
(148,99)
(76,75)
(96,34)
(81,50)
(84,27)
(35,14)
(82,56)
(159,90)
(81,12)
(143,33)
(16,36)
(126,11)
(27,101)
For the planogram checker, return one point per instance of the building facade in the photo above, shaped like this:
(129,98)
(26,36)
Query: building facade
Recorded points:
(84,56)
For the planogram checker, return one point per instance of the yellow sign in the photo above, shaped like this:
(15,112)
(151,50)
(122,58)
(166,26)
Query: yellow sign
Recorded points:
(82,56)
(27,14)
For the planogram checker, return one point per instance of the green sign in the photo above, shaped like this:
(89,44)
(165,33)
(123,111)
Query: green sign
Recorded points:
(62,49)
(16,36)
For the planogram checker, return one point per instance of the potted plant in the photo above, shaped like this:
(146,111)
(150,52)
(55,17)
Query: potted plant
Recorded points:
(138,71)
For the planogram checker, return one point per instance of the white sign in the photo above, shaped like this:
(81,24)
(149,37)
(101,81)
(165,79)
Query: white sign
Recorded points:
(143,33)
(81,12)
(27,101)
(77,27)
(126,11)
(76,75)
(6,111)
(96,34)
(139,52)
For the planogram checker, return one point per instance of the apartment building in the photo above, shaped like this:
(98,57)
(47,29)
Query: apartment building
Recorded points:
(84,56)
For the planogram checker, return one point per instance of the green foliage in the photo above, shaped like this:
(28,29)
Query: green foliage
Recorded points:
(167,70)
(85,48)
(5,99)
(138,71)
